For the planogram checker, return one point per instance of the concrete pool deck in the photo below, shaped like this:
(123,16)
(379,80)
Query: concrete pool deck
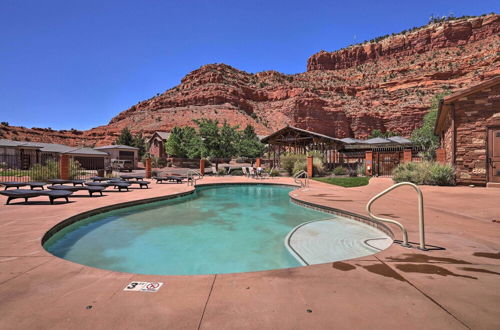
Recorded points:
(458,287)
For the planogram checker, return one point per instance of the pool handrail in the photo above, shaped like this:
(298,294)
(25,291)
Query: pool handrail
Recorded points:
(298,176)
(191,177)
(420,213)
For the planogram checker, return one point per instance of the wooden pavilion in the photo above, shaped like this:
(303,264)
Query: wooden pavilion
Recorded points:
(301,141)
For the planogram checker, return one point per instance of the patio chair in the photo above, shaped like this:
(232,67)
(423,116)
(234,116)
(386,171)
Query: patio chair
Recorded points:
(26,194)
(15,184)
(245,171)
(90,189)
(214,171)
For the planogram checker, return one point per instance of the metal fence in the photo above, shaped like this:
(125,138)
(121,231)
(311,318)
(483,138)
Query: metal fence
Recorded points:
(42,167)
(28,167)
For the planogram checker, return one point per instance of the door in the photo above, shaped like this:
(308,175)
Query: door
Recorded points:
(494,154)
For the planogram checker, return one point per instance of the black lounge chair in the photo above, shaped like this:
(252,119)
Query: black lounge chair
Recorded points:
(140,183)
(115,184)
(130,177)
(61,181)
(99,178)
(10,184)
(171,178)
(35,184)
(26,194)
(90,189)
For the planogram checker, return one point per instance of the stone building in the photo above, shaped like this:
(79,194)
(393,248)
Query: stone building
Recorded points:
(121,152)
(156,144)
(468,123)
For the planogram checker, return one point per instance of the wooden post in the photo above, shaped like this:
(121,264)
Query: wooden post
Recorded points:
(148,168)
(64,167)
(369,163)
(310,166)
(257,162)
(202,166)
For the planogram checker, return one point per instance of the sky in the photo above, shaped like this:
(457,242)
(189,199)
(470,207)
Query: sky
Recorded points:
(76,64)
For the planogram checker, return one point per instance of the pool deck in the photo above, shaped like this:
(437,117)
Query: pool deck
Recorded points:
(455,288)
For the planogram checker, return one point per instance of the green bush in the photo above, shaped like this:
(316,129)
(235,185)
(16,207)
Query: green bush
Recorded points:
(236,172)
(288,161)
(274,172)
(221,171)
(339,170)
(299,165)
(426,172)
(39,172)
(361,170)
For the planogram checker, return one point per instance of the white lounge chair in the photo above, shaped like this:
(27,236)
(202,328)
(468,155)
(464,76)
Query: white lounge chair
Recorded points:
(245,171)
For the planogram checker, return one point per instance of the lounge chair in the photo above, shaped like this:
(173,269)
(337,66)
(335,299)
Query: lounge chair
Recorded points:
(214,170)
(115,184)
(130,177)
(245,171)
(35,184)
(90,189)
(26,194)
(141,183)
(61,181)
(15,184)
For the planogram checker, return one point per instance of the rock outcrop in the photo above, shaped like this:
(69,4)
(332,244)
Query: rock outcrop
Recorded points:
(385,85)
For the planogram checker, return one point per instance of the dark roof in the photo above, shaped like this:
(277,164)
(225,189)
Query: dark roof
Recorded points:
(446,102)
(267,138)
(390,142)
(11,143)
(52,147)
(351,140)
(116,146)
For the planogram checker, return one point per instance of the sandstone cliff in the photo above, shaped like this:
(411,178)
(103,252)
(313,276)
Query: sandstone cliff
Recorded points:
(386,85)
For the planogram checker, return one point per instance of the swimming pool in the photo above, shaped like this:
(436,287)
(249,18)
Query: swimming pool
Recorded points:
(217,229)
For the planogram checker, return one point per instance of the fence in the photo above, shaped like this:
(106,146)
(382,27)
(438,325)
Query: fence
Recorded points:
(28,167)
(42,167)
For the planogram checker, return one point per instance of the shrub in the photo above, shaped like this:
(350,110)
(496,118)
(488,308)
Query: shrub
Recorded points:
(222,171)
(4,123)
(299,165)
(39,172)
(339,170)
(426,172)
(274,172)
(288,161)
(236,172)
(361,170)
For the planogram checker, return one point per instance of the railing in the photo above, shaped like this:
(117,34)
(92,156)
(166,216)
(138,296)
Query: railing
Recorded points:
(301,178)
(193,175)
(420,213)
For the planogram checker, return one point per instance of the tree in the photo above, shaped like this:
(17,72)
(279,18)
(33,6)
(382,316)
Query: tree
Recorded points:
(217,143)
(125,138)
(183,142)
(138,142)
(249,144)
(424,136)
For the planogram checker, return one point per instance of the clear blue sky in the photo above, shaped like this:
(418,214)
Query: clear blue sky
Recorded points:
(76,64)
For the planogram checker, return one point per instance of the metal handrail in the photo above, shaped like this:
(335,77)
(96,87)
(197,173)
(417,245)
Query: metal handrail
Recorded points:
(191,177)
(297,178)
(420,213)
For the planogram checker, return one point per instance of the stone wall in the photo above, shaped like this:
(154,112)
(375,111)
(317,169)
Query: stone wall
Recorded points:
(471,115)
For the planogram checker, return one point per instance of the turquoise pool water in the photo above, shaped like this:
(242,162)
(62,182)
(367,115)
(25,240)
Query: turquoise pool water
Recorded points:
(218,229)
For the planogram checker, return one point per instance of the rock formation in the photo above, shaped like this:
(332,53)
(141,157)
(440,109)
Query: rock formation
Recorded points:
(385,85)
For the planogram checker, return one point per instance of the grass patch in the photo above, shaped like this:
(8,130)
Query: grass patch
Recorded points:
(346,182)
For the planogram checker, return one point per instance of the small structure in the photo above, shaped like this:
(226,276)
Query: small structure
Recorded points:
(156,144)
(301,141)
(121,152)
(468,123)
(24,154)
(381,155)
